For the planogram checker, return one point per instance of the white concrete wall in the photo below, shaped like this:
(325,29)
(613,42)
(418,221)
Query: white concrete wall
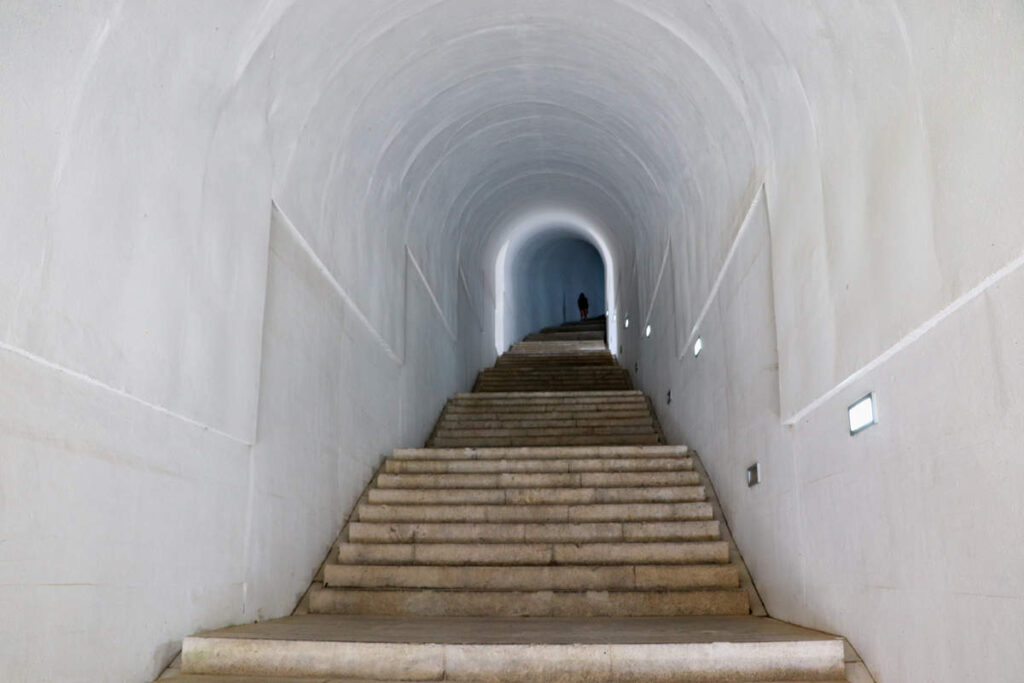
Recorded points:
(191,399)
(883,256)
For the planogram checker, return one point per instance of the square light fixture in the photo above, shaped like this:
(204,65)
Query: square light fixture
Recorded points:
(754,474)
(863,414)
(698,346)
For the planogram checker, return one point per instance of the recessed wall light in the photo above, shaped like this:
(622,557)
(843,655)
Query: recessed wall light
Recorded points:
(647,331)
(863,414)
(626,323)
(698,346)
(754,474)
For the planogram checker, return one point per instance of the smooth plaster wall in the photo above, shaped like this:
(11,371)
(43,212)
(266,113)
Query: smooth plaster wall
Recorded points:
(897,538)
(545,278)
(151,307)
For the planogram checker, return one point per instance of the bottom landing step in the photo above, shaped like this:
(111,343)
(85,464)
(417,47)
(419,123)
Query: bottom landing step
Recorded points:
(751,649)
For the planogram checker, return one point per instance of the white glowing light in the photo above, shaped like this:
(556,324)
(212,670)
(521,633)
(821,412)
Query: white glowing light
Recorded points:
(863,414)
(647,332)
(626,324)
(698,346)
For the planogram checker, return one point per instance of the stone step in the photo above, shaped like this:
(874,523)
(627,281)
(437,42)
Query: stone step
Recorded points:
(543,386)
(455,431)
(526,412)
(552,396)
(562,432)
(695,552)
(200,678)
(478,650)
(514,480)
(431,602)
(540,496)
(544,424)
(482,532)
(554,359)
(597,374)
(554,367)
(631,512)
(562,578)
(524,480)
(653,464)
(544,453)
(495,416)
(582,440)
(566,336)
(576,409)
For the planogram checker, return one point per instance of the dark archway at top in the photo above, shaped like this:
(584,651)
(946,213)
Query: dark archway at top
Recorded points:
(547,277)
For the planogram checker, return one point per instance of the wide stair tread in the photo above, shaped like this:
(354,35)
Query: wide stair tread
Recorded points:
(509,650)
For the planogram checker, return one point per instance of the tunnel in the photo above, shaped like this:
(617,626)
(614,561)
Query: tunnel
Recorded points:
(249,246)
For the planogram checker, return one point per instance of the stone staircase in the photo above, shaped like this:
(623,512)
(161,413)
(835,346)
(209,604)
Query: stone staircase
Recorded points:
(543,535)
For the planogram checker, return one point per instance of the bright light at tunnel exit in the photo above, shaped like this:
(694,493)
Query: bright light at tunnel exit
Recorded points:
(521,231)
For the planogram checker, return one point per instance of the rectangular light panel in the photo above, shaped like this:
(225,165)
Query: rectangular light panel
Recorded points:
(863,414)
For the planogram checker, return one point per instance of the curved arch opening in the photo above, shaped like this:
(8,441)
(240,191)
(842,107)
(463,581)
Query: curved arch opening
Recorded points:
(545,261)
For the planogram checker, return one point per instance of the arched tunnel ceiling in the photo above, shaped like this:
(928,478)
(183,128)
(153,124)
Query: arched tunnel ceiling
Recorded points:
(430,124)
(428,127)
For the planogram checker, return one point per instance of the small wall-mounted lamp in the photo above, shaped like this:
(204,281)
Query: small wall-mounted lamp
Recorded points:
(754,474)
(647,331)
(863,414)
(698,346)
(626,323)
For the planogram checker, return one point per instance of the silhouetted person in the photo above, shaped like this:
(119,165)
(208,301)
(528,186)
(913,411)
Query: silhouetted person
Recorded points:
(584,305)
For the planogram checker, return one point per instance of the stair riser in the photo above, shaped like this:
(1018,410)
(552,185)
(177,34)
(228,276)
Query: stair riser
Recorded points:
(636,512)
(621,434)
(526,480)
(714,552)
(578,578)
(372,532)
(582,496)
(506,441)
(590,415)
(644,421)
(543,453)
(552,398)
(529,604)
(392,466)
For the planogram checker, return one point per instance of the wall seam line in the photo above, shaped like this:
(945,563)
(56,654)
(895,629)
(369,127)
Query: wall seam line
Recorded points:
(336,286)
(913,337)
(430,292)
(726,264)
(92,381)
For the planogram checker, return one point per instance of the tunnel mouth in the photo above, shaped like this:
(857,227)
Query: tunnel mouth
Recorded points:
(544,272)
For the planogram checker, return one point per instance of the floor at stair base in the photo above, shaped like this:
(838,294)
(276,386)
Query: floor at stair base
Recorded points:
(709,649)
